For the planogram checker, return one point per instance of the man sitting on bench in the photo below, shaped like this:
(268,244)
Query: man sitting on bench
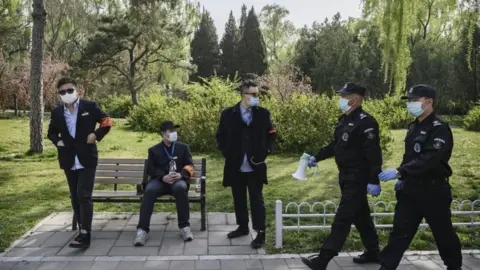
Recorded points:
(169,168)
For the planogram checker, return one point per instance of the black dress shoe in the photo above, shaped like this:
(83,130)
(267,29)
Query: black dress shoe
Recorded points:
(239,232)
(259,241)
(81,241)
(367,257)
(315,263)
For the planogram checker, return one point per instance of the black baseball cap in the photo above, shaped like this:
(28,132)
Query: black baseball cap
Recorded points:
(420,90)
(168,125)
(352,88)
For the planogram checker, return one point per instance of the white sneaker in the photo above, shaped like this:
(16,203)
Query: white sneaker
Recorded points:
(141,238)
(186,234)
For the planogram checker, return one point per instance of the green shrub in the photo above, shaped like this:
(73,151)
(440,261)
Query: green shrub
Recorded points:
(472,120)
(117,106)
(304,123)
(391,110)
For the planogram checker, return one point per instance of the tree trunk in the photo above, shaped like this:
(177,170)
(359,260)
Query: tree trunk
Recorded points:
(36,77)
(15,105)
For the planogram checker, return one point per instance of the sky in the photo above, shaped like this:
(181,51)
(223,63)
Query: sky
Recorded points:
(301,11)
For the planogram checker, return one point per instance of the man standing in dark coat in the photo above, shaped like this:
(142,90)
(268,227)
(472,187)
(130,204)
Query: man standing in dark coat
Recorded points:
(73,131)
(245,137)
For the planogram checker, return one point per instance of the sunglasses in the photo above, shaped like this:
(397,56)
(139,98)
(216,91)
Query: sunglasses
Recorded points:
(252,94)
(64,92)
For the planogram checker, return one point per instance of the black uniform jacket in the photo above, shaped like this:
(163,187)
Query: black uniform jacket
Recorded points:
(428,147)
(356,146)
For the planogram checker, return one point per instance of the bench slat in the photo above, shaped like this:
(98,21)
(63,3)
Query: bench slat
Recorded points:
(115,194)
(121,161)
(119,174)
(196,161)
(133,194)
(121,180)
(120,168)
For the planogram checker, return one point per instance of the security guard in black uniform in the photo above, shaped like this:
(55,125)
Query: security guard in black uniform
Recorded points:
(356,147)
(423,190)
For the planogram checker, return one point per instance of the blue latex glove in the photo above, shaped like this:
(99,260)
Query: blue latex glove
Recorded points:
(312,162)
(374,190)
(388,175)
(398,185)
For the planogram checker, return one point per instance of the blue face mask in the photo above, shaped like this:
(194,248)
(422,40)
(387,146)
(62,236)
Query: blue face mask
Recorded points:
(253,101)
(343,104)
(415,108)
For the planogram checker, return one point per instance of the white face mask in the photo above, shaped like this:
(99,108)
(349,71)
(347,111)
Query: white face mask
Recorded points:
(415,108)
(172,136)
(69,98)
(343,104)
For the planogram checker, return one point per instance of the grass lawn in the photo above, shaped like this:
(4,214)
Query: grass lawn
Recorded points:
(32,186)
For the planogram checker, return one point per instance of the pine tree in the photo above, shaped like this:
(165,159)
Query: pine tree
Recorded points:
(251,49)
(243,20)
(204,48)
(228,46)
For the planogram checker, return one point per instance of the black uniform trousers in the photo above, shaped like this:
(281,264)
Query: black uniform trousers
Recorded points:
(80,184)
(254,184)
(353,209)
(416,201)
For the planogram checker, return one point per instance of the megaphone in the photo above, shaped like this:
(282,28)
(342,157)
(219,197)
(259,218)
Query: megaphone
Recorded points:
(301,173)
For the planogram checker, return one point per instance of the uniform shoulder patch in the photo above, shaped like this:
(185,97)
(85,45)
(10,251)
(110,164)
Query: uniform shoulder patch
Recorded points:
(438,143)
(437,123)
(362,115)
(369,133)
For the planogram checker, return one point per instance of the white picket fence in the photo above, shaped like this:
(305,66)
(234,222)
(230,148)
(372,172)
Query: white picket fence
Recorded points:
(388,211)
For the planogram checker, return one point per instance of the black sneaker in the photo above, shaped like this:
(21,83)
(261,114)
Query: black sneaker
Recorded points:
(315,262)
(81,241)
(259,241)
(239,232)
(367,257)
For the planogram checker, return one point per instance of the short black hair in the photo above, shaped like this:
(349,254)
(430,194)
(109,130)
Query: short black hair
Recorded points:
(247,84)
(64,81)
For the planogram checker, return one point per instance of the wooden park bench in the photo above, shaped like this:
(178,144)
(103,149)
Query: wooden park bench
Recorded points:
(134,172)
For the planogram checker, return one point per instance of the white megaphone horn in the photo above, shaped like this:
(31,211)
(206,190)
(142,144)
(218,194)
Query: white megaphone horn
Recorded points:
(301,173)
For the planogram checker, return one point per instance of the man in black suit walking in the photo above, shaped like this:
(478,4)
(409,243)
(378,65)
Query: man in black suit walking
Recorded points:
(72,131)
(245,137)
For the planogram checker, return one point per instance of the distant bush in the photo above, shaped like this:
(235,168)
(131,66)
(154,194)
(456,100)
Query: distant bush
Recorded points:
(304,122)
(472,120)
(391,110)
(118,106)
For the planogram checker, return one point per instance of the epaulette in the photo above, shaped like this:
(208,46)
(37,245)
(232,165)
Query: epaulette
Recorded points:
(437,123)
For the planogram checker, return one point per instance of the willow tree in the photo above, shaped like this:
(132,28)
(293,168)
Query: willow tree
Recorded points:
(398,21)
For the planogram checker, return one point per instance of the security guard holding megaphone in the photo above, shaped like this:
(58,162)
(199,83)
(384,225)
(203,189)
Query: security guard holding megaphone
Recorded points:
(357,152)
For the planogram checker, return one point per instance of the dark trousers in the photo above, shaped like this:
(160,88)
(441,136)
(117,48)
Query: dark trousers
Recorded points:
(156,188)
(80,184)
(414,203)
(353,209)
(240,184)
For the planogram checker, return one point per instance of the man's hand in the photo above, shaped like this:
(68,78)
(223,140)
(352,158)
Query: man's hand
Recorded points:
(167,178)
(60,143)
(312,162)
(398,185)
(172,178)
(374,190)
(92,138)
(388,175)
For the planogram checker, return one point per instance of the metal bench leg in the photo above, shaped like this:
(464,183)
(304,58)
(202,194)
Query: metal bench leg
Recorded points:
(74,223)
(203,213)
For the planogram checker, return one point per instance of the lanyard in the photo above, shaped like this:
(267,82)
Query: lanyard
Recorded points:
(173,150)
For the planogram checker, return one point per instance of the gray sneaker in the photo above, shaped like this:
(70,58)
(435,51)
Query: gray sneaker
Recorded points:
(186,234)
(141,238)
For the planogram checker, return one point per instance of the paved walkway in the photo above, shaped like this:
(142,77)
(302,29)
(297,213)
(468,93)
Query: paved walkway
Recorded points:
(46,247)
